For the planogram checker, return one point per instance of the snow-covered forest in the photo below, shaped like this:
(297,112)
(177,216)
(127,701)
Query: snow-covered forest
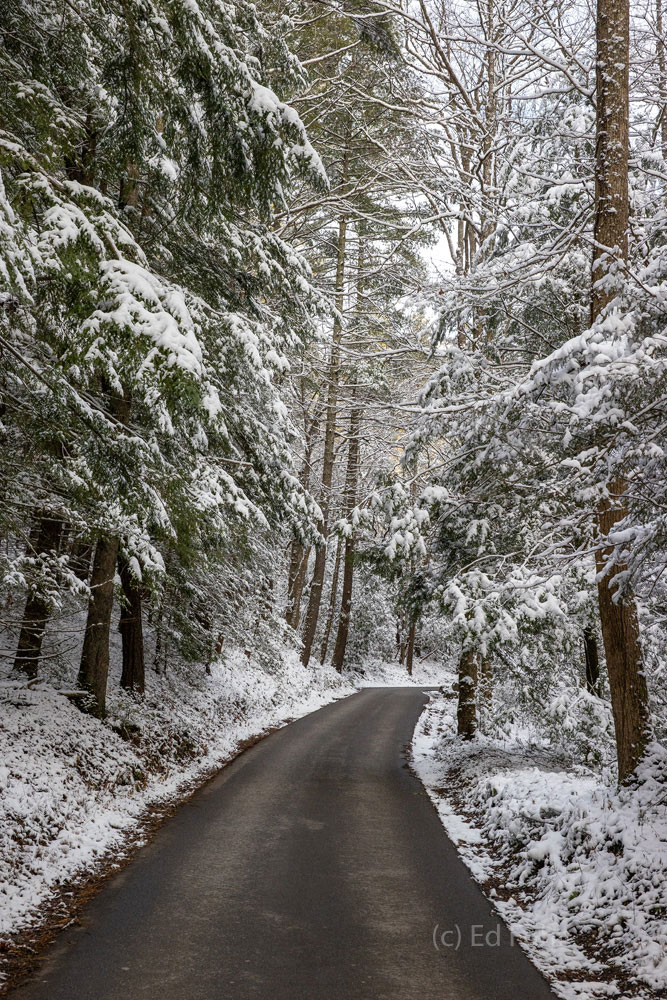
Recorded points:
(333,349)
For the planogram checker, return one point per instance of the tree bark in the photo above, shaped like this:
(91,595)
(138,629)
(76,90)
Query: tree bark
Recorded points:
(592,661)
(46,538)
(403,647)
(351,478)
(296,574)
(315,597)
(332,603)
(612,204)
(94,668)
(619,621)
(662,81)
(130,626)
(410,650)
(625,663)
(466,714)
(297,589)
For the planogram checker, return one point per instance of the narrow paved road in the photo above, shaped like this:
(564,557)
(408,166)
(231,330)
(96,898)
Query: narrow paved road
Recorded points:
(314,867)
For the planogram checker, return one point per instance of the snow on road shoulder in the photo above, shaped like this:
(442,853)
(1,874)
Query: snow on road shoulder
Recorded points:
(576,868)
(379,673)
(71,787)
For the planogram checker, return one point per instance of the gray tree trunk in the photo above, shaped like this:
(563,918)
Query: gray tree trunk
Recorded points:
(351,479)
(94,668)
(130,625)
(315,596)
(592,661)
(332,603)
(466,714)
(619,620)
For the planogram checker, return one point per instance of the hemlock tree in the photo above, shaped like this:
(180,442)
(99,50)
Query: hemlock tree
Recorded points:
(164,163)
(618,611)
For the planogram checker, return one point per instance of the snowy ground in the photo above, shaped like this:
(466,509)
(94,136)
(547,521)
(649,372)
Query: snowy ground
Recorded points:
(379,673)
(71,787)
(577,869)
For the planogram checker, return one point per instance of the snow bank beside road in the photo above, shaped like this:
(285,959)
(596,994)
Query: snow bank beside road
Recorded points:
(380,673)
(72,787)
(577,869)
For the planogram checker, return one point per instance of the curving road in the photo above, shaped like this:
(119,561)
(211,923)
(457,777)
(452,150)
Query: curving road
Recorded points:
(314,867)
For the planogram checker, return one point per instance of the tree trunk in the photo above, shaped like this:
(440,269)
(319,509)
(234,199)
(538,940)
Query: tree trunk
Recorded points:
(410,650)
(46,538)
(315,597)
(402,649)
(620,627)
(332,603)
(592,661)
(662,81)
(348,561)
(296,574)
(612,204)
(130,627)
(625,664)
(297,589)
(466,715)
(94,668)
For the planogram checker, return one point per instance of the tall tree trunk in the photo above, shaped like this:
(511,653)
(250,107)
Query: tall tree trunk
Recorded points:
(620,627)
(662,81)
(625,663)
(466,714)
(592,661)
(297,589)
(402,649)
(299,554)
(410,651)
(351,478)
(130,625)
(315,597)
(332,603)
(94,668)
(46,538)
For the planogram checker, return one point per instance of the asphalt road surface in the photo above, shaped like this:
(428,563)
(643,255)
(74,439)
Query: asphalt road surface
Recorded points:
(314,867)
